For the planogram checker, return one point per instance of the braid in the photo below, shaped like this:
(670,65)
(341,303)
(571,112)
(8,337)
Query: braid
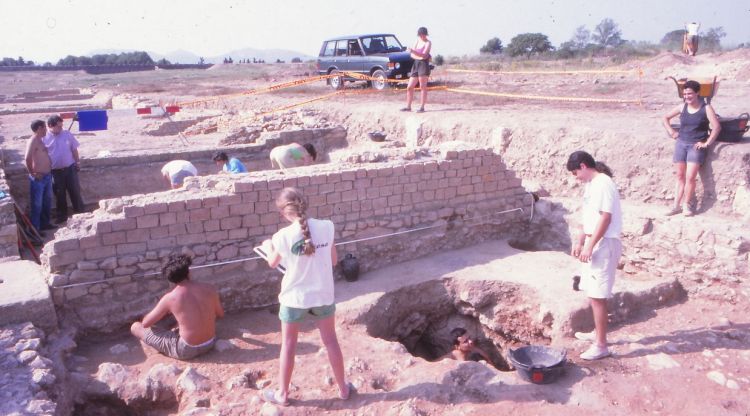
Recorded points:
(292,199)
(309,247)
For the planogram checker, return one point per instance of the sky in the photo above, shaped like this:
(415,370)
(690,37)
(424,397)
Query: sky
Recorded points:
(47,30)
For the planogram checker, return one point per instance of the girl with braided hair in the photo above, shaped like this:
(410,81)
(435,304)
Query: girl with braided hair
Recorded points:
(307,250)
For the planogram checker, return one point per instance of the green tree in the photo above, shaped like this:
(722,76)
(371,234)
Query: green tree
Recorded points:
(607,33)
(673,40)
(493,46)
(528,44)
(711,41)
(439,60)
(296,60)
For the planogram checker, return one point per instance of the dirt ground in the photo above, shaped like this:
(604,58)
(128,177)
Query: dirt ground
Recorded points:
(688,358)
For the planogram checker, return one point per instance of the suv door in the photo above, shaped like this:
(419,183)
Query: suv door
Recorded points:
(356,59)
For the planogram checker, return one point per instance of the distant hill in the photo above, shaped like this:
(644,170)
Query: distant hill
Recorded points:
(187,57)
(268,55)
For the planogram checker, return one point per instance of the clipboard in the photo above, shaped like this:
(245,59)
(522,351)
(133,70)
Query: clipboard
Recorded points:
(262,253)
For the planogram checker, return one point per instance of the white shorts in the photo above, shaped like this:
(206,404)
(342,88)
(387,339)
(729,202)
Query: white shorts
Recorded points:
(598,275)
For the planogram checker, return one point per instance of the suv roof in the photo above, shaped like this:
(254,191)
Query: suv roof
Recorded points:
(358,36)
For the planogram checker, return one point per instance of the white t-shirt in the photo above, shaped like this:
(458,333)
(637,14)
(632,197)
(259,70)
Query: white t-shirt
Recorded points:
(601,195)
(308,281)
(175,166)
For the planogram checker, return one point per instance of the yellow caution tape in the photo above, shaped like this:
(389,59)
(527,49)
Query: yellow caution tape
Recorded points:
(544,97)
(583,71)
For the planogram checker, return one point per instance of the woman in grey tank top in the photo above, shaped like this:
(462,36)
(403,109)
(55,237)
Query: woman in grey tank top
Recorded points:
(691,144)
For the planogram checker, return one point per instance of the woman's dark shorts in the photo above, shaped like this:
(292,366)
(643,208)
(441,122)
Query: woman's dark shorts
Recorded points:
(685,152)
(420,69)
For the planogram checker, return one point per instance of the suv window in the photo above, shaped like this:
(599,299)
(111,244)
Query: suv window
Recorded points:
(329,48)
(354,49)
(341,48)
(381,44)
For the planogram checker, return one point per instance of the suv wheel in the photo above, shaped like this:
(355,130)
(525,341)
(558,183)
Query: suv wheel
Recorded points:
(336,82)
(380,82)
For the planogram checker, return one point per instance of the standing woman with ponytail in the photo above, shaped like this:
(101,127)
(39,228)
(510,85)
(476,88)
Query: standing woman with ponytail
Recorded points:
(307,249)
(598,245)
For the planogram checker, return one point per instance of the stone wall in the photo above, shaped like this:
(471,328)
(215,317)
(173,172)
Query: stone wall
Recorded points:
(8,227)
(221,218)
(103,178)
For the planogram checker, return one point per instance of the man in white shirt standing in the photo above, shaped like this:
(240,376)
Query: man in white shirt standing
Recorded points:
(63,153)
(691,38)
(598,244)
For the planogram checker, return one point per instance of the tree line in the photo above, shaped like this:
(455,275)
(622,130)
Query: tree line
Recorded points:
(606,38)
(123,58)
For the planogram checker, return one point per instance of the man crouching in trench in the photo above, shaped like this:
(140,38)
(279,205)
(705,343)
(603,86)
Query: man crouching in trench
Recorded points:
(194,305)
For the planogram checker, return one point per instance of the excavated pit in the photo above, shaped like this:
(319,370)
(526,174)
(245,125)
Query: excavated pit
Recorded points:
(497,315)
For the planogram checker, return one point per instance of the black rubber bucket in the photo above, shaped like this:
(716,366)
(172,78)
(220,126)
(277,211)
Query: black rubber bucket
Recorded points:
(538,364)
(350,268)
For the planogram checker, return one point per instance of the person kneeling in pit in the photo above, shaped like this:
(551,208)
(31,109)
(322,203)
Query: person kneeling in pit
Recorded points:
(194,305)
(293,155)
(464,348)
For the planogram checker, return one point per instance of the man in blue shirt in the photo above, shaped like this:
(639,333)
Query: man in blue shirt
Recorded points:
(62,147)
(228,165)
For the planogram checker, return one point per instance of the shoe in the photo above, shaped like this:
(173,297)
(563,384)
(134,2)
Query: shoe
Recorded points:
(577,283)
(49,227)
(595,352)
(421,110)
(352,390)
(688,211)
(406,109)
(586,336)
(269,396)
(673,211)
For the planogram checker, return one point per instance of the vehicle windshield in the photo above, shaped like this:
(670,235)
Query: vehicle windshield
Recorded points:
(381,44)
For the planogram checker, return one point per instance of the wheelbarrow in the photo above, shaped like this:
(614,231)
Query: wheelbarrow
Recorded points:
(708,89)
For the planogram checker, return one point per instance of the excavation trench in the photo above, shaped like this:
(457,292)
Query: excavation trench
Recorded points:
(497,315)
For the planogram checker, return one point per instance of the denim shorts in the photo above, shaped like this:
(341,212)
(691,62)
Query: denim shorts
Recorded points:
(296,315)
(685,152)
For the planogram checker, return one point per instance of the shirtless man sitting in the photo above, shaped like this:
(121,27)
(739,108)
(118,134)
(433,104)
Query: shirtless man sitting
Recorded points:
(194,305)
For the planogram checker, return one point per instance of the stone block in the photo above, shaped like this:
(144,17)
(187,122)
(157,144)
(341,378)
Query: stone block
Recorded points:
(270,218)
(201,214)
(155,244)
(211,225)
(249,197)
(231,223)
(103,227)
(82,276)
(158,232)
(219,212)
(155,208)
(193,204)
(190,239)
(167,218)
(176,206)
(242,187)
(333,198)
(132,211)
(130,248)
(25,296)
(114,238)
(241,209)
(343,186)
(194,227)
(216,236)
(147,221)
(210,202)
(226,253)
(275,184)
(252,220)
(177,229)
(238,233)
(230,199)
(60,246)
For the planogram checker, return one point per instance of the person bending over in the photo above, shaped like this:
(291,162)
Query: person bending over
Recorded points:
(176,171)
(194,305)
(293,155)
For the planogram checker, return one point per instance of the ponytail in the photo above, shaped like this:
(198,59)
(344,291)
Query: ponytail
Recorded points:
(601,167)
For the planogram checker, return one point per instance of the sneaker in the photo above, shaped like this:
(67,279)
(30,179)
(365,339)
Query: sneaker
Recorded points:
(688,211)
(673,211)
(595,352)
(586,336)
